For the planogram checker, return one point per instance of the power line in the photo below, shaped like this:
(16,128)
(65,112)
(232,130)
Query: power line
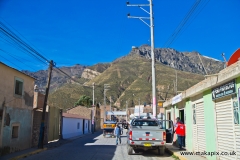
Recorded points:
(181,24)
(15,58)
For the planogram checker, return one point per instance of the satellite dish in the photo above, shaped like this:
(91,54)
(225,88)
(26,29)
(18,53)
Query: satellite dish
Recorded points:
(234,58)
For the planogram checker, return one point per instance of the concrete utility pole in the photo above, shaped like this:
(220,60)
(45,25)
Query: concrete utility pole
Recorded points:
(152,47)
(126,111)
(110,105)
(93,93)
(105,89)
(176,81)
(42,127)
(139,105)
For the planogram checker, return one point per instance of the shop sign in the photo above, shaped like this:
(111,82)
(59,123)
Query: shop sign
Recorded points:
(224,90)
(177,99)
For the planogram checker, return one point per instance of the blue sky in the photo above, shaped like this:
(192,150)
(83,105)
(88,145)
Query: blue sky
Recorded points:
(92,31)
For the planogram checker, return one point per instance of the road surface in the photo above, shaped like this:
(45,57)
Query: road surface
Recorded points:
(95,147)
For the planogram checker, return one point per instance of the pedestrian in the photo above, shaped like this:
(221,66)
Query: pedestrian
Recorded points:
(180,131)
(117,132)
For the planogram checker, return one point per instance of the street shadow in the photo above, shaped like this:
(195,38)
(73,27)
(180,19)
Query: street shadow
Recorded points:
(152,153)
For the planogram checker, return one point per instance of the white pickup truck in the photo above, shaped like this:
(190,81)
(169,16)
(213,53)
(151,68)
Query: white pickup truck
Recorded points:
(149,134)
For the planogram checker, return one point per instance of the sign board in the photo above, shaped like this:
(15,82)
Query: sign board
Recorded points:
(138,109)
(224,90)
(177,99)
(160,104)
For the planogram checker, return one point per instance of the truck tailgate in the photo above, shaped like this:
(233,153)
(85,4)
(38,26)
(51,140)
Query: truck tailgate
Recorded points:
(147,133)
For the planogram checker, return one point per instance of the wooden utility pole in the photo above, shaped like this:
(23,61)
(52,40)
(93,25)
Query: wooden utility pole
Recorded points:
(42,127)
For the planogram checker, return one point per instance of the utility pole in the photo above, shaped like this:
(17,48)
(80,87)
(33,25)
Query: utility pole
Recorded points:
(126,111)
(152,47)
(93,93)
(42,127)
(176,81)
(93,111)
(105,89)
(110,105)
(139,106)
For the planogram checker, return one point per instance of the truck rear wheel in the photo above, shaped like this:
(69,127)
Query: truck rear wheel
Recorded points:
(129,150)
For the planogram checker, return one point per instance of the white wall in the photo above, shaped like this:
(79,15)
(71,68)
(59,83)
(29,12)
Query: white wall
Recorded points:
(70,127)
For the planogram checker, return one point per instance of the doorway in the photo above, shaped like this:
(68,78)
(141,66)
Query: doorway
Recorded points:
(169,118)
(83,125)
(181,115)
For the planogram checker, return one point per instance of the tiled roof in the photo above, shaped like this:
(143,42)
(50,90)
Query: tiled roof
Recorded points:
(68,115)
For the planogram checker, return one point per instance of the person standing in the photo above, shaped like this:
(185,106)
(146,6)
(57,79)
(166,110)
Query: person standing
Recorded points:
(180,131)
(117,133)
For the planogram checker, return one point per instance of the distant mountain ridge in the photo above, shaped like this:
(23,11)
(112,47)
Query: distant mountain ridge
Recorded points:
(184,61)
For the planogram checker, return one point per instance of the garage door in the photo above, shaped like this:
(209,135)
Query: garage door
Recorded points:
(225,128)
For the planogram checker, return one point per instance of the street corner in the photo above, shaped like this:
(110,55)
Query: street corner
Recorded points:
(28,154)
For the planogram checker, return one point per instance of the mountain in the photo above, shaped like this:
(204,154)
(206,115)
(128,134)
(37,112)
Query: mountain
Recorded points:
(184,61)
(130,79)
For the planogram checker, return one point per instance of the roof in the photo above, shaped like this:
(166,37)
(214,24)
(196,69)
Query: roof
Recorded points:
(16,70)
(68,115)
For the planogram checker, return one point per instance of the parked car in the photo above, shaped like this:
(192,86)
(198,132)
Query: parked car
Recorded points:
(149,134)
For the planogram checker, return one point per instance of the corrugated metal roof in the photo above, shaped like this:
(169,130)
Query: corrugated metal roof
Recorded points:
(16,70)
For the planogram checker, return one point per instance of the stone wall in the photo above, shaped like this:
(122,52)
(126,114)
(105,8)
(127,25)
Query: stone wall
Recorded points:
(37,118)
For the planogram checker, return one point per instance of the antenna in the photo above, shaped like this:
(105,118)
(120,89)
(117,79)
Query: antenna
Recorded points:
(223,55)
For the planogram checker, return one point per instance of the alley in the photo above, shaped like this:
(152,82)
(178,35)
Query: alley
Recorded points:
(95,147)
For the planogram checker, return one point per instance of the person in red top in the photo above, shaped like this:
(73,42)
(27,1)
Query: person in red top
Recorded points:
(180,131)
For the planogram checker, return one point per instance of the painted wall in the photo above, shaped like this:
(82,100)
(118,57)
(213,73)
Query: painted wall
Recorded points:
(238,86)
(70,127)
(189,125)
(22,118)
(210,126)
(54,123)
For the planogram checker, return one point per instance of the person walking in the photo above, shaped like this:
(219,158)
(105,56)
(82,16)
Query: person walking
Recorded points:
(180,131)
(117,132)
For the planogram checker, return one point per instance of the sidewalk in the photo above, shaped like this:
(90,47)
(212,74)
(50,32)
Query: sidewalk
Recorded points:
(175,151)
(35,150)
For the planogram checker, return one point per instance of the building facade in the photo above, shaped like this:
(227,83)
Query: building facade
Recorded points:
(210,112)
(16,109)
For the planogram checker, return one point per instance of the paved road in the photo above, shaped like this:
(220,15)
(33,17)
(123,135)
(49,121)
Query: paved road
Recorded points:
(95,147)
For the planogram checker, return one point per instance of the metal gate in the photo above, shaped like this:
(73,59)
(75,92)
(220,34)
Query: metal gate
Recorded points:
(199,136)
(225,128)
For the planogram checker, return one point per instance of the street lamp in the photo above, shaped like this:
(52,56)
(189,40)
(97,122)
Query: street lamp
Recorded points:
(152,46)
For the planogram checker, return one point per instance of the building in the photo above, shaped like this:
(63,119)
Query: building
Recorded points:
(210,111)
(16,109)
(76,121)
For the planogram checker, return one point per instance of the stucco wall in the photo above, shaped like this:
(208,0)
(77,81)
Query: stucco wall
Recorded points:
(188,123)
(7,85)
(70,127)
(210,127)
(22,118)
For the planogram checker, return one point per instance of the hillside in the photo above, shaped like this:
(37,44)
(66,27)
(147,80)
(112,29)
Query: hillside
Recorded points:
(127,76)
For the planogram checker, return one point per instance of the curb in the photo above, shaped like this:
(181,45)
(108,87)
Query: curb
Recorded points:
(28,154)
(176,154)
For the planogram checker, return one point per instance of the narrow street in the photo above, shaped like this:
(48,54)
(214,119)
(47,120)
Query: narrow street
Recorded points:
(95,147)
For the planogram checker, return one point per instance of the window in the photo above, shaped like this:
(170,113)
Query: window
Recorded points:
(144,123)
(15,131)
(194,113)
(18,86)
(78,125)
